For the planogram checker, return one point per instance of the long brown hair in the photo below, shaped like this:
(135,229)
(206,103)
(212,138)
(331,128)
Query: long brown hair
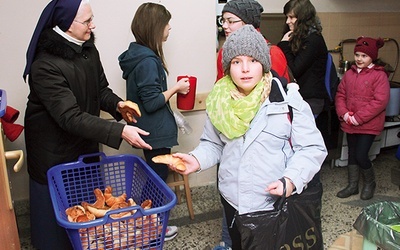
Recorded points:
(148,26)
(307,21)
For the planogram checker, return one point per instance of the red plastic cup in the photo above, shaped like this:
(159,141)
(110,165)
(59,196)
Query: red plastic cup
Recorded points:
(186,102)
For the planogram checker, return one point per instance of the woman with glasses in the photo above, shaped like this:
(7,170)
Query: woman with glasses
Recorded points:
(237,13)
(68,88)
(145,71)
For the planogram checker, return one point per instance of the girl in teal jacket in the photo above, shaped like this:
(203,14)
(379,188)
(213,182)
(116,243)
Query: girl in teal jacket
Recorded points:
(145,72)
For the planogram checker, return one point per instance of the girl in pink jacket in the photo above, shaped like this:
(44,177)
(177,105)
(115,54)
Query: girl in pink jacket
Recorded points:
(361,100)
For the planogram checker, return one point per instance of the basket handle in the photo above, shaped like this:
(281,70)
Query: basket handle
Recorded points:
(99,154)
(139,212)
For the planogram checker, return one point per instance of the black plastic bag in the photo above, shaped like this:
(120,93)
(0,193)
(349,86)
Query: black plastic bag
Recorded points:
(303,229)
(261,230)
(295,223)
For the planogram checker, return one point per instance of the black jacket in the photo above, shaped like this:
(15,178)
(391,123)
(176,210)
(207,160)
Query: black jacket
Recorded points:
(68,88)
(308,66)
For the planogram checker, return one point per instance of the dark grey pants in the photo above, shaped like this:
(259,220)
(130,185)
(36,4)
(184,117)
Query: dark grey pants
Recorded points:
(46,234)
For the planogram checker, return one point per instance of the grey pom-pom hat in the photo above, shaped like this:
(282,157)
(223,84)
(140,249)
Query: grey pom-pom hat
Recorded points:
(246,41)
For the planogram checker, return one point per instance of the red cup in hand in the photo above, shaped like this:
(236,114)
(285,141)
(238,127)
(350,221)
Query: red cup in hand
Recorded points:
(187,101)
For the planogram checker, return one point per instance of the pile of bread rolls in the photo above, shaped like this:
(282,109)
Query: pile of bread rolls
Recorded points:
(123,234)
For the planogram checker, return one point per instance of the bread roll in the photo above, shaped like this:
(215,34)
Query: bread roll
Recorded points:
(98,212)
(74,212)
(112,200)
(100,200)
(170,160)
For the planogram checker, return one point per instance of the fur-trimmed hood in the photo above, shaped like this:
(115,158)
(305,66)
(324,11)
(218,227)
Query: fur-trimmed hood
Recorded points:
(54,44)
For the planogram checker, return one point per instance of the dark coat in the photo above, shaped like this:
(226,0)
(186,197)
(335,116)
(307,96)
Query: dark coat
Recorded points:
(68,88)
(308,66)
(145,83)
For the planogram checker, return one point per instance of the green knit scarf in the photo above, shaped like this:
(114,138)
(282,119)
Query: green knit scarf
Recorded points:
(230,111)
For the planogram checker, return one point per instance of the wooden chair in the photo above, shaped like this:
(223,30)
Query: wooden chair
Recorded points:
(179,180)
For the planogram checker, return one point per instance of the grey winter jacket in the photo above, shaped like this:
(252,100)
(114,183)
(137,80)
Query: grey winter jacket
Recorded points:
(273,147)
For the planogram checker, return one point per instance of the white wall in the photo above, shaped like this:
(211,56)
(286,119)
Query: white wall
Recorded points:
(276,6)
(189,50)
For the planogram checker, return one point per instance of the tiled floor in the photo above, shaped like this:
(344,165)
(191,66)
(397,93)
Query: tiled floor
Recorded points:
(338,215)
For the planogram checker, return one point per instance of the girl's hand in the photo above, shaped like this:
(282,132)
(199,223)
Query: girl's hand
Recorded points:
(276,188)
(286,37)
(350,119)
(183,86)
(191,163)
(353,121)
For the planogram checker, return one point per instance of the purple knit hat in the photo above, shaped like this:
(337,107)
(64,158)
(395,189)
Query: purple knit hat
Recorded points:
(59,13)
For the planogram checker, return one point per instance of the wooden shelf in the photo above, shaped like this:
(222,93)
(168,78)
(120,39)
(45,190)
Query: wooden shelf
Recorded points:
(200,103)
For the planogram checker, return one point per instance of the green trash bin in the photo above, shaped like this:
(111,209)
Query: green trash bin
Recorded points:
(379,224)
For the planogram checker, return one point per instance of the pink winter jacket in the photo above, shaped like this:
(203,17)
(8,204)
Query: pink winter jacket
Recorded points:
(366,94)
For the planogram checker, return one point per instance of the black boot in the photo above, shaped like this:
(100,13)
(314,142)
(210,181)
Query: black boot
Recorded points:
(369,184)
(352,187)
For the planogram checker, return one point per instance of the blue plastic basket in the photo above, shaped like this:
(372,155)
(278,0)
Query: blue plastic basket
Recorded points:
(74,182)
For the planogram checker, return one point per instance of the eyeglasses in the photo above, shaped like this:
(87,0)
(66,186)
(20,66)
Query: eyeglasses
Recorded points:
(87,22)
(228,21)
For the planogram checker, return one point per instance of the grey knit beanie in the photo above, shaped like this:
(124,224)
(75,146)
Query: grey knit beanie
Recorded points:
(249,11)
(246,41)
